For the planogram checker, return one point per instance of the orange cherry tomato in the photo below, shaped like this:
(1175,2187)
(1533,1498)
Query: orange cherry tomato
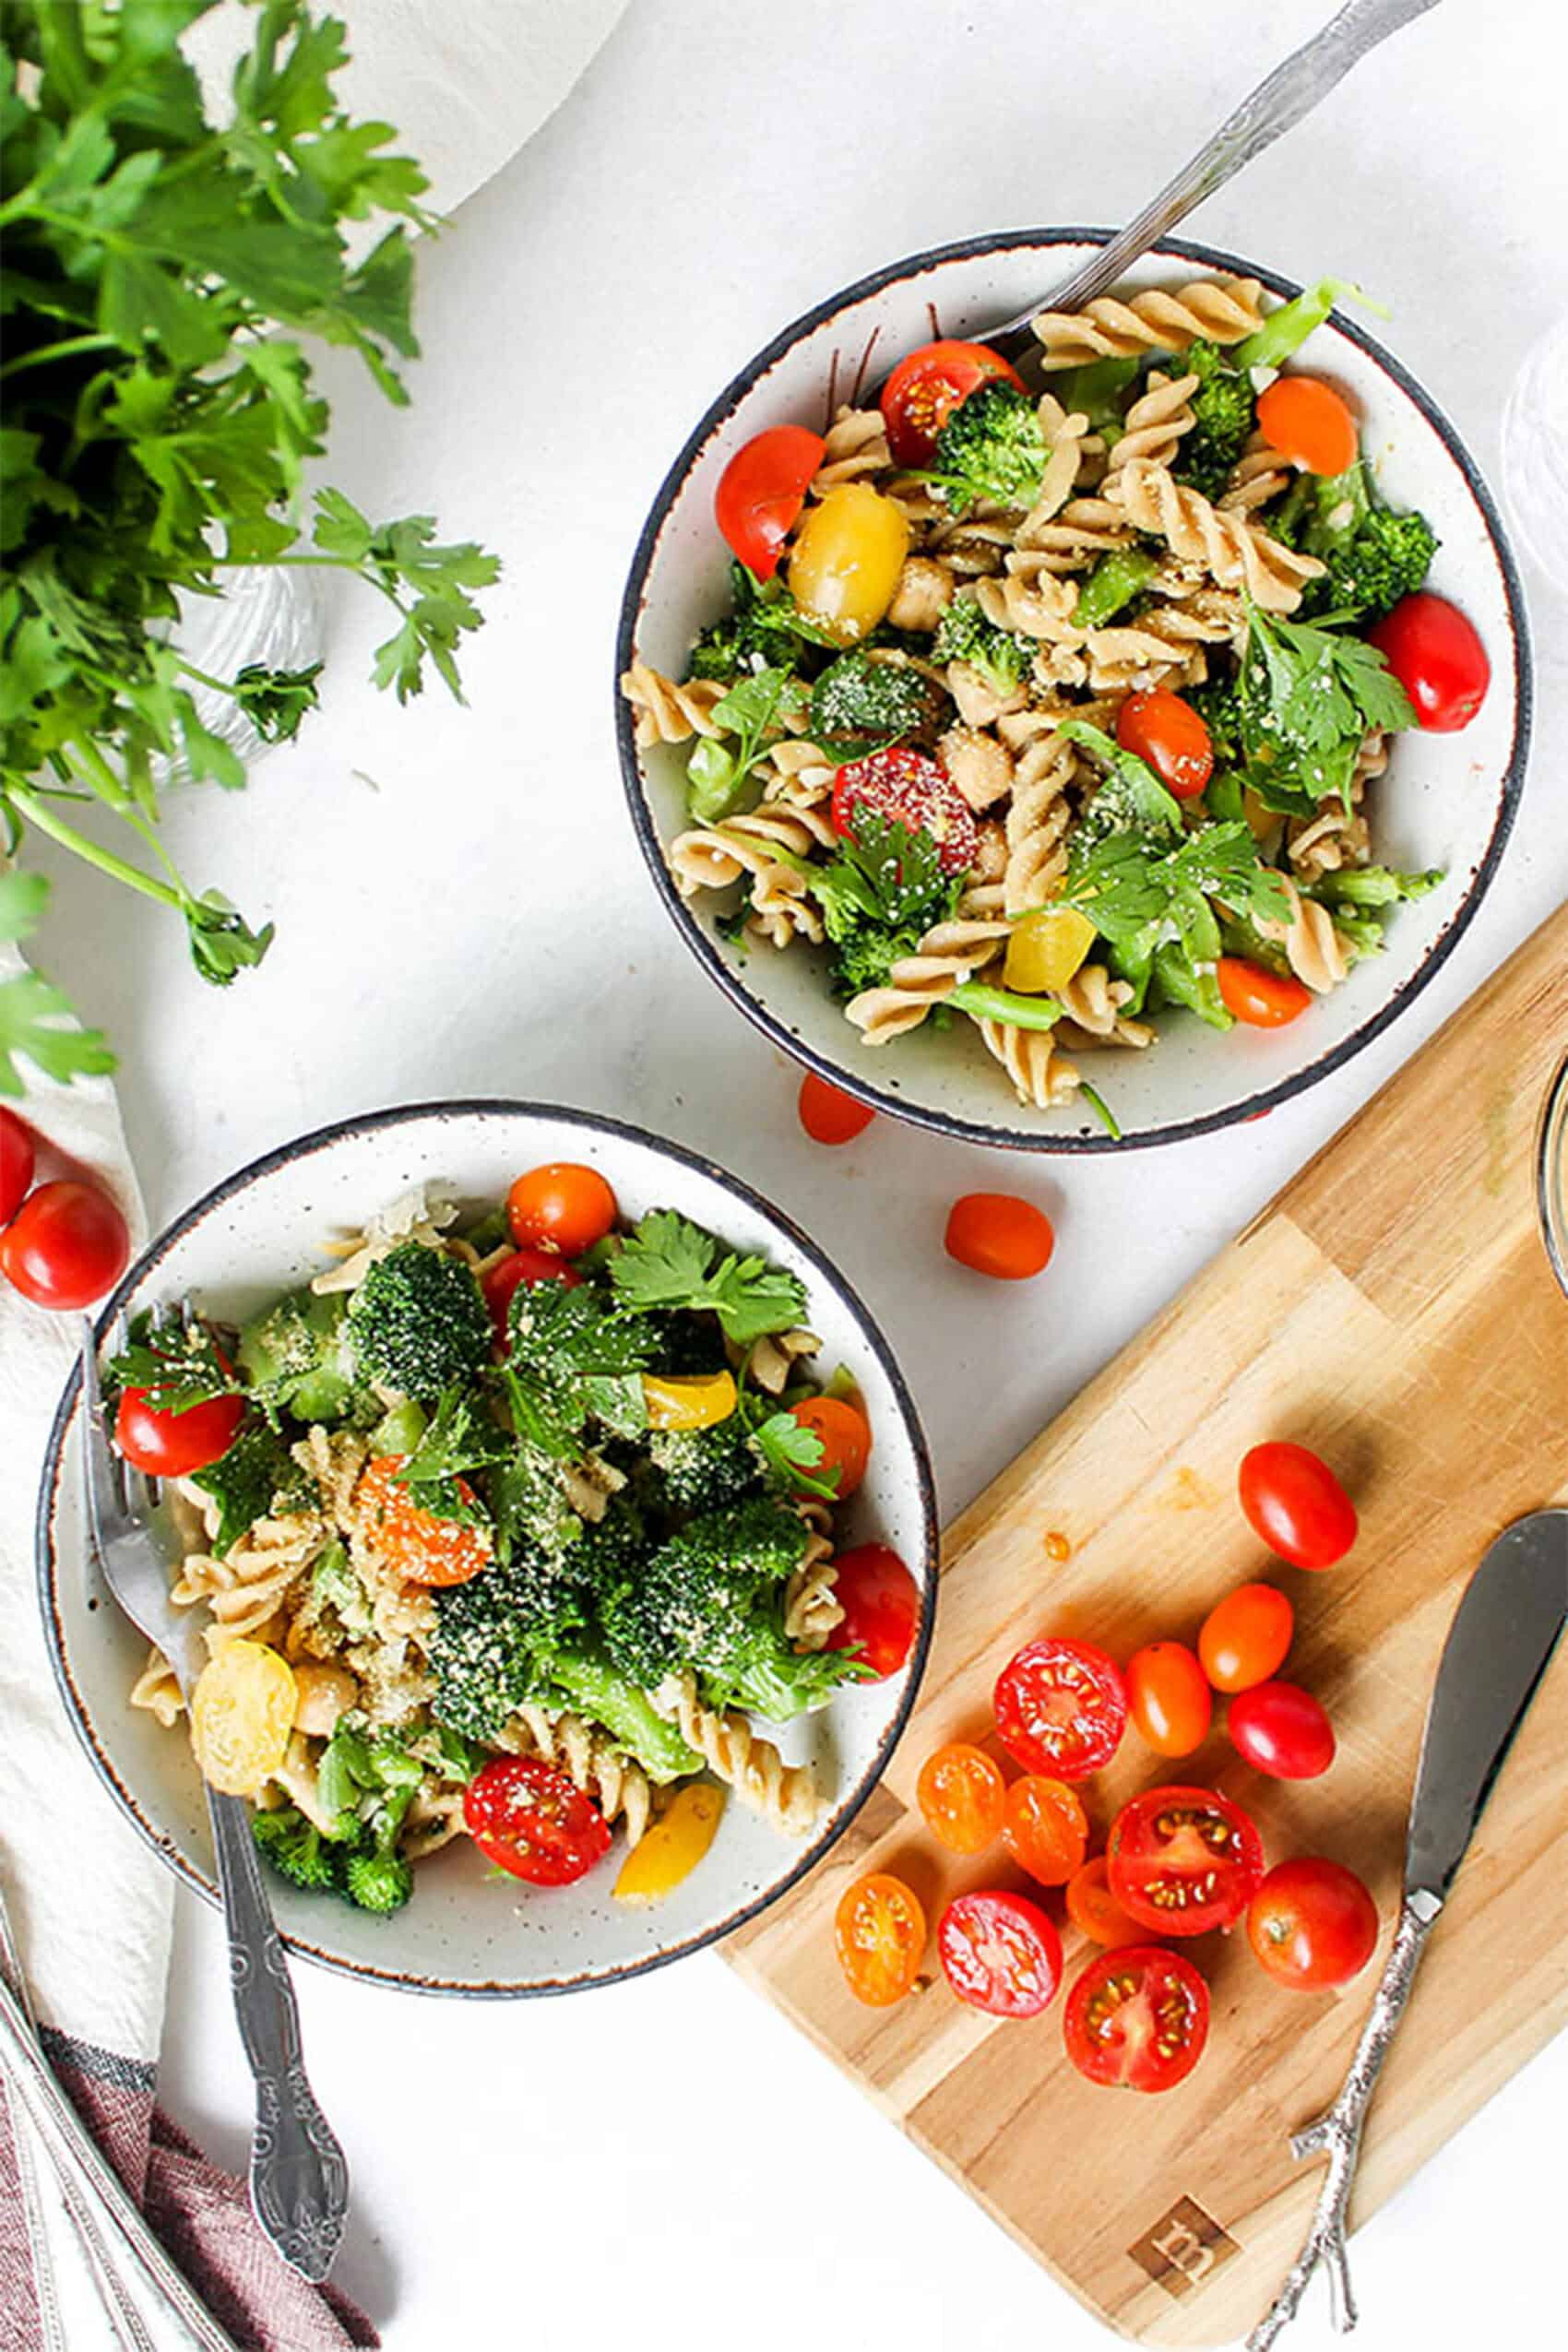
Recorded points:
(1264,1000)
(1246,1637)
(421,1547)
(961,1793)
(879,1933)
(762,490)
(828,1114)
(562,1208)
(846,1441)
(1305,419)
(1170,737)
(998,1234)
(1168,1693)
(1095,1911)
(927,385)
(1045,1829)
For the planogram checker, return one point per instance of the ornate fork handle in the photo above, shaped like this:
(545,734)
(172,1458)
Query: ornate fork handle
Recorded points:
(299,2175)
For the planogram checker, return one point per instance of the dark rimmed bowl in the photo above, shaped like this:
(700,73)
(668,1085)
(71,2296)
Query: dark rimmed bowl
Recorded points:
(464,1932)
(1448,801)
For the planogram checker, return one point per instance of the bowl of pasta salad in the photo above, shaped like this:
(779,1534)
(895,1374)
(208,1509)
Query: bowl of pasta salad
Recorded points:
(559,1531)
(1094,750)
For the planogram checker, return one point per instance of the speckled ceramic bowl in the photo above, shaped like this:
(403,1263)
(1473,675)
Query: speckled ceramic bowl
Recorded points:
(465,1931)
(1448,801)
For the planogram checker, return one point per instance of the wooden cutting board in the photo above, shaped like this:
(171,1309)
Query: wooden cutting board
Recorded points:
(1395,1308)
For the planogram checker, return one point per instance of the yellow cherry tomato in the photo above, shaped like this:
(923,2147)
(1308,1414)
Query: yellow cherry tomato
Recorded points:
(671,1848)
(242,1709)
(849,554)
(688,1400)
(1046,947)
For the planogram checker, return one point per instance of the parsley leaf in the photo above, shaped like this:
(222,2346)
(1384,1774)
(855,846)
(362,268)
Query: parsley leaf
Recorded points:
(792,1454)
(666,1261)
(717,771)
(1130,796)
(36,1020)
(178,1368)
(1308,694)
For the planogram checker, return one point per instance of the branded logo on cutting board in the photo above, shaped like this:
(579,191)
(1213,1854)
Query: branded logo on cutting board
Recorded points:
(1185,2248)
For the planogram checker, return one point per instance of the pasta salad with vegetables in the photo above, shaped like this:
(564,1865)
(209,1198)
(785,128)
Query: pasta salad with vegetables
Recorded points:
(512,1526)
(1066,712)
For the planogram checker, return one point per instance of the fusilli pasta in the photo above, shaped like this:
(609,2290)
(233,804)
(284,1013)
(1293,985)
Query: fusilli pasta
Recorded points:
(785,1794)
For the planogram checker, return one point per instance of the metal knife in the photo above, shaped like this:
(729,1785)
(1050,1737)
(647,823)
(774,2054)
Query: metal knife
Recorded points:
(1499,1646)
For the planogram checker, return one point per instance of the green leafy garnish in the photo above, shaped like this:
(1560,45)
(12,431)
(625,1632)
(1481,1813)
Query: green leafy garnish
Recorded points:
(880,895)
(792,1454)
(36,1019)
(1309,694)
(177,1369)
(669,1262)
(717,771)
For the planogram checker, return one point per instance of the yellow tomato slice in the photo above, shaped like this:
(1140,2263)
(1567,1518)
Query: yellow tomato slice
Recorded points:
(242,1709)
(672,1848)
(688,1400)
(1046,947)
(849,554)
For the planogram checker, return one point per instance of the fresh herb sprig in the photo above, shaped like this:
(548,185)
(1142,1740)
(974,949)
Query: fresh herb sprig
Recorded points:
(178,1369)
(718,770)
(1309,694)
(668,1262)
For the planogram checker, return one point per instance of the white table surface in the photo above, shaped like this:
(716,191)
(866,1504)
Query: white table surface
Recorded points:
(669,2162)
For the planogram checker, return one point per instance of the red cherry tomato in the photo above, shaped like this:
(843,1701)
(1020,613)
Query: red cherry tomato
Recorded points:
(1263,1000)
(830,1116)
(924,389)
(762,490)
(845,1442)
(16,1164)
(998,1234)
(530,1819)
(1281,1729)
(561,1207)
(1246,1637)
(1435,654)
(1170,737)
(1000,1952)
(882,1607)
(1137,2019)
(65,1246)
(961,1795)
(1312,1924)
(879,1935)
(523,1266)
(1061,1709)
(1095,1911)
(1183,1860)
(1295,1504)
(170,1446)
(1168,1695)
(1045,1828)
(912,790)
(1305,419)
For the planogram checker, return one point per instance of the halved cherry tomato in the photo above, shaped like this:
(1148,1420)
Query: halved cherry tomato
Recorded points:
(961,1794)
(527,1265)
(911,791)
(1061,1709)
(1000,1952)
(998,1234)
(924,389)
(1170,737)
(761,492)
(828,1114)
(530,1819)
(1183,1860)
(1434,652)
(881,1602)
(1168,1695)
(1261,999)
(1246,1637)
(170,1446)
(1281,1729)
(1095,1911)
(65,1246)
(415,1543)
(1045,1828)
(879,1933)
(845,1442)
(561,1207)
(1296,1504)
(1312,1924)
(1137,2019)
(16,1161)
(1305,419)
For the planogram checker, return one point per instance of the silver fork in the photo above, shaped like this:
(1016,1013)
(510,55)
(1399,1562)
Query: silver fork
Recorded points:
(299,2179)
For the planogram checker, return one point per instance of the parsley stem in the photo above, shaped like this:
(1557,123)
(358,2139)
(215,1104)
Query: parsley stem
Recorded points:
(983,1004)
(204,677)
(1101,1110)
(36,811)
(65,350)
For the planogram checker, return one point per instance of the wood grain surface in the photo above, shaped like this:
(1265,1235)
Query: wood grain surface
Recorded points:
(1394,1308)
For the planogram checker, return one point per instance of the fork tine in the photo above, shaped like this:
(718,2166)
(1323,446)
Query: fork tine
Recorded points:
(103,1474)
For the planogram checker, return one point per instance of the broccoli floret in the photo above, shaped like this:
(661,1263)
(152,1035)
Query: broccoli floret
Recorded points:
(704,1469)
(1220,706)
(495,1637)
(865,700)
(419,1322)
(377,1881)
(1115,580)
(881,895)
(1223,408)
(764,627)
(1003,656)
(583,1679)
(298,1356)
(1374,556)
(244,1481)
(992,446)
(296,1848)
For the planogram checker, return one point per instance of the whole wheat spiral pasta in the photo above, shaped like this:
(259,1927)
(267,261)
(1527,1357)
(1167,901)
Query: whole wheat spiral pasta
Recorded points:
(1039,815)
(668,713)
(1258,477)
(787,1795)
(1219,309)
(711,857)
(1094,1003)
(244,1590)
(1233,550)
(950,952)
(855,445)
(1071,541)
(157,1688)
(590,1760)
(1317,954)
(434,1820)
(1153,425)
(1042,1074)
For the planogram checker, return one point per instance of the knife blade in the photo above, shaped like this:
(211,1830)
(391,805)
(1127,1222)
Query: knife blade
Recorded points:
(1499,1645)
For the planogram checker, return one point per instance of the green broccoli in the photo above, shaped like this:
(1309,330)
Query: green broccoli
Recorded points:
(296,1848)
(763,627)
(1115,580)
(494,1638)
(1218,704)
(582,1678)
(244,1483)
(1001,657)
(419,1322)
(298,1356)
(1223,409)
(704,1469)
(992,446)
(377,1881)
(1374,556)
(866,699)
(881,893)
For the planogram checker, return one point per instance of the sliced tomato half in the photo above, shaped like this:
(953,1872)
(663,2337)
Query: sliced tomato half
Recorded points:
(927,385)
(1183,1860)
(912,790)
(1137,2019)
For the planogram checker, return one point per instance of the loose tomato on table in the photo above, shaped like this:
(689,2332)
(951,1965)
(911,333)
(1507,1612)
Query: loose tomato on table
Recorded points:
(1307,420)
(172,1445)
(999,1235)
(881,1602)
(1170,737)
(1282,1730)
(828,1114)
(531,1819)
(561,1207)
(1168,1695)
(1000,1952)
(1312,1924)
(1246,1637)
(962,1796)
(847,558)
(418,1544)
(1061,1709)
(1045,1828)
(17,1161)
(1183,1860)
(1137,2019)
(762,490)
(65,1246)
(1295,1504)
(845,1442)
(526,1265)
(879,1933)
(913,790)
(1258,998)
(927,385)
(1095,1911)
(1434,652)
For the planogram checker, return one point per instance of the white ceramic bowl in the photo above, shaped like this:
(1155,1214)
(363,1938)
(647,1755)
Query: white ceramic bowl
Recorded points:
(1448,801)
(464,1931)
